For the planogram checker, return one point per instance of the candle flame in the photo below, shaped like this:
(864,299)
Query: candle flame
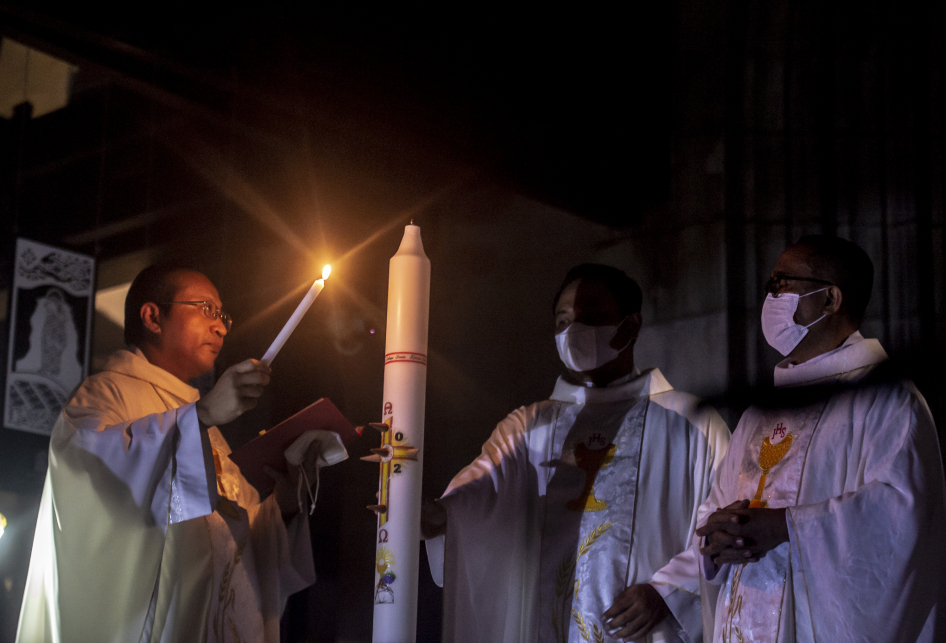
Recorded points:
(326,271)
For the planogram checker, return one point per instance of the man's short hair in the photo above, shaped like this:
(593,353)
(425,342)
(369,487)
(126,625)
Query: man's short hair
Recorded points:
(154,284)
(847,266)
(625,290)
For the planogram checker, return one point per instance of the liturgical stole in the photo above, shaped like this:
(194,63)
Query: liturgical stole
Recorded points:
(588,529)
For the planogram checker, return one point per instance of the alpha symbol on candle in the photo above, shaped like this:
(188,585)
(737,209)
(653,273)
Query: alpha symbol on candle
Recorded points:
(388,408)
(392,454)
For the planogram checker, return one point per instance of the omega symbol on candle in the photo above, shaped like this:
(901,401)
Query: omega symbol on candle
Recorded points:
(388,408)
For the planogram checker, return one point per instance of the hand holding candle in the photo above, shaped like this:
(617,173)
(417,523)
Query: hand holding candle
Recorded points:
(296,316)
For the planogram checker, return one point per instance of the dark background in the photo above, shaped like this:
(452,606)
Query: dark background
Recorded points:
(686,143)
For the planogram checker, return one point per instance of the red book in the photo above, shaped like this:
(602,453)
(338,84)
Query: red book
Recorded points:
(270,447)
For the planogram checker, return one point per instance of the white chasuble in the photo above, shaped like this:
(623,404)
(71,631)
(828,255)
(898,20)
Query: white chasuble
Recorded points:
(572,500)
(862,483)
(231,572)
(128,545)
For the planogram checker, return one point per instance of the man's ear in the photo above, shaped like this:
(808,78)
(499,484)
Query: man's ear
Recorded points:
(832,303)
(628,332)
(151,317)
(635,321)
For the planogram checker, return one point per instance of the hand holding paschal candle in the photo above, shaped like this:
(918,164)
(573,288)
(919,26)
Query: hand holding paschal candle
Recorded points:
(433,520)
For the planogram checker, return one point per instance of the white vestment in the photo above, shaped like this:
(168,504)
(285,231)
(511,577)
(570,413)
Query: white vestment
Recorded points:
(128,544)
(572,500)
(856,461)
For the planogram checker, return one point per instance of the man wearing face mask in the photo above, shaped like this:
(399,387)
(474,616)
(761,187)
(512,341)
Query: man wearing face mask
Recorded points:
(828,510)
(571,524)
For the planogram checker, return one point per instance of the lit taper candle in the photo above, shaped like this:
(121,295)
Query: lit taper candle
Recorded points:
(296,316)
(402,443)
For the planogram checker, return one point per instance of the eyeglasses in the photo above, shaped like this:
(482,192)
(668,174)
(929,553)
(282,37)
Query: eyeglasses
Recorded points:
(209,309)
(775,284)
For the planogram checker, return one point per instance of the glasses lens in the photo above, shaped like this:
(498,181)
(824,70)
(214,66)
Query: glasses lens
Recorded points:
(212,312)
(772,286)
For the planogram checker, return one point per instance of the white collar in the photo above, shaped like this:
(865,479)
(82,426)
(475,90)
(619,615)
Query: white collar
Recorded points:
(855,354)
(133,363)
(650,382)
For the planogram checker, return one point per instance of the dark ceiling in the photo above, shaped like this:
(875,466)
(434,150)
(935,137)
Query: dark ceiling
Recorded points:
(571,108)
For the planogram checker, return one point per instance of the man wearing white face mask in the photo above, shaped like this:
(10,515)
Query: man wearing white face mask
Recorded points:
(569,525)
(828,516)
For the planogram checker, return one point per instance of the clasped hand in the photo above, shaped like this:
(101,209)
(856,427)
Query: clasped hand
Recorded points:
(738,534)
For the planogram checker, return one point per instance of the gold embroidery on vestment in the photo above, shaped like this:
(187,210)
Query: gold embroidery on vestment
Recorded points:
(565,589)
(735,608)
(769,456)
(225,506)
(591,462)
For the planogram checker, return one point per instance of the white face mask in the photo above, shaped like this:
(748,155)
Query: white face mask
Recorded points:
(585,348)
(778,321)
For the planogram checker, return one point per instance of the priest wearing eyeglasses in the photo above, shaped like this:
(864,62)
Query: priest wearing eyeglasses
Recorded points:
(146,529)
(827,516)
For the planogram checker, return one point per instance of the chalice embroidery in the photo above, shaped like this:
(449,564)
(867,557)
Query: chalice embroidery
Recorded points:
(591,462)
(769,456)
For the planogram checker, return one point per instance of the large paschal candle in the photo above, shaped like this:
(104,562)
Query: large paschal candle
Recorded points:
(402,444)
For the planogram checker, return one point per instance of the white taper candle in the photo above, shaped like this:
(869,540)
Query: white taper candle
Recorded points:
(296,317)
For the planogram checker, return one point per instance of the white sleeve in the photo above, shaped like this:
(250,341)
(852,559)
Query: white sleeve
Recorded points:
(871,560)
(678,581)
(159,460)
(283,555)
(489,558)
(112,489)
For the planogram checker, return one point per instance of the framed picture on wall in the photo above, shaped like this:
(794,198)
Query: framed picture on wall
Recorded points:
(50,333)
